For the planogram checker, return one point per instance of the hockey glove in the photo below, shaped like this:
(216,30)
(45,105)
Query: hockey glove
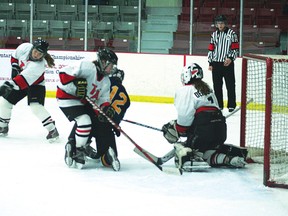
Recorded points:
(169,132)
(109,111)
(6,89)
(81,85)
(15,70)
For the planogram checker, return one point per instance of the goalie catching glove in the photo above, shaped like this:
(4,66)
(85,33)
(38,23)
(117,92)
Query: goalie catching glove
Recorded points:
(109,111)
(81,85)
(169,132)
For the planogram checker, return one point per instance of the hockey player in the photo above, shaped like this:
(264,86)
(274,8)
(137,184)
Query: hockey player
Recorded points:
(201,121)
(120,102)
(102,130)
(28,68)
(89,78)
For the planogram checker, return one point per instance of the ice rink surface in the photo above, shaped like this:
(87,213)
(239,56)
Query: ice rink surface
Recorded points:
(35,181)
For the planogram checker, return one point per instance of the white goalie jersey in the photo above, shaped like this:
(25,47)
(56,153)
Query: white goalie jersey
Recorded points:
(98,88)
(188,100)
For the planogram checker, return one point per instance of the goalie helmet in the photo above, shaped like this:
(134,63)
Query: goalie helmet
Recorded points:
(220,18)
(118,74)
(107,56)
(191,72)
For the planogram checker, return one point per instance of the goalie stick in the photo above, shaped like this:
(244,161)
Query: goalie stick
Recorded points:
(238,108)
(171,154)
(146,154)
(158,160)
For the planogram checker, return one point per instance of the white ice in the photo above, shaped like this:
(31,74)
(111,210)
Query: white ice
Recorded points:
(36,182)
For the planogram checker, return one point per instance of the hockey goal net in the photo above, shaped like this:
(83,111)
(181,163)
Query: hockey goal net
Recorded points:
(264,121)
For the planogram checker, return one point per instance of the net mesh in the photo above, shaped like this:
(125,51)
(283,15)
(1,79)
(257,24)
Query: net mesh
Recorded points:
(255,115)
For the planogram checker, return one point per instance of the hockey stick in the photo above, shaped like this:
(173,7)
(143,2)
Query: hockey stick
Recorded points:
(158,129)
(143,125)
(169,170)
(158,160)
(238,108)
(171,154)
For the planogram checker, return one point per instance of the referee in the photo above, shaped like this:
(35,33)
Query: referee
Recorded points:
(222,52)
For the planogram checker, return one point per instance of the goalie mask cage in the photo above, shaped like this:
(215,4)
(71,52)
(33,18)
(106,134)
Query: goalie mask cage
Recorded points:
(264,122)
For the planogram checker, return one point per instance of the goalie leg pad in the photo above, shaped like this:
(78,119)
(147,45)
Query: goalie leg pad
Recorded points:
(188,159)
(181,155)
(232,150)
(216,159)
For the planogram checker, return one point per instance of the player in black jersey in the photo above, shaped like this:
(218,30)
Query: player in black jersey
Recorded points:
(103,132)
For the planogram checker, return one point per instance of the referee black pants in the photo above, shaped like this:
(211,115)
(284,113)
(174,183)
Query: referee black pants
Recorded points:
(218,73)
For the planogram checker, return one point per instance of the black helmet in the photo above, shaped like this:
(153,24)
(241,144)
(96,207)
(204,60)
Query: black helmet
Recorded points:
(220,18)
(41,45)
(118,74)
(108,56)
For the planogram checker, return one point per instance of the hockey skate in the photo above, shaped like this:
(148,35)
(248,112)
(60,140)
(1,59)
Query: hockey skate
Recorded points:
(237,162)
(91,152)
(74,157)
(69,151)
(53,135)
(112,159)
(79,158)
(4,131)
(195,164)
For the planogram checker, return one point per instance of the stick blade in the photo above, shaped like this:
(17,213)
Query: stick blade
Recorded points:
(157,160)
(140,153)
(172,170)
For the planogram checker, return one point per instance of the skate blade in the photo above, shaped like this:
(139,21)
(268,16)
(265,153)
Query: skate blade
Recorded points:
(69,161)
(116,166)
(79,165)
(52,140)
(197,166)
(3,134)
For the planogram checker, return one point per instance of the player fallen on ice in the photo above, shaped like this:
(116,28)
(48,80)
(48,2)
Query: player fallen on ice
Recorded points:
(28,69)
(201,121)
(88,79)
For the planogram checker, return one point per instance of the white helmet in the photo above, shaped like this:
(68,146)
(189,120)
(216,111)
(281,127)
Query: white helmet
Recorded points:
(192,71)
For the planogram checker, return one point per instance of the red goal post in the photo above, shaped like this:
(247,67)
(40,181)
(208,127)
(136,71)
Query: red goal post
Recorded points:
(264,122)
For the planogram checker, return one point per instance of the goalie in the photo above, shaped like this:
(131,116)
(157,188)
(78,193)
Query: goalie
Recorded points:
(201,121)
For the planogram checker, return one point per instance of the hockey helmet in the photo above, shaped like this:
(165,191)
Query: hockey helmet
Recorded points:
(41,45)
(191,72)
(109,57)
(119,74)
(220,18)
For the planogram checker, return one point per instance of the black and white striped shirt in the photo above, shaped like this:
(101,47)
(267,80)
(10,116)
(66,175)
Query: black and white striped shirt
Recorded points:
(223,45)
